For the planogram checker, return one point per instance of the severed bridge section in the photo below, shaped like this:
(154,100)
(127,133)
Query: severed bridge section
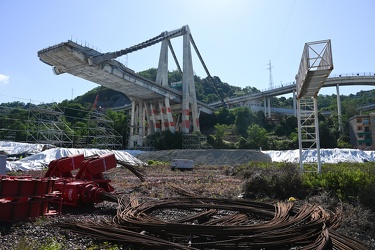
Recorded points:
(155,105)
(315,66)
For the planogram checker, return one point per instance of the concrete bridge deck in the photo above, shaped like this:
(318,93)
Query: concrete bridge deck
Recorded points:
(70,57)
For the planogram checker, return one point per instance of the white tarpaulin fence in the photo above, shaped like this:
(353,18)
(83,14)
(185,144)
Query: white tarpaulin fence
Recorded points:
(39,158)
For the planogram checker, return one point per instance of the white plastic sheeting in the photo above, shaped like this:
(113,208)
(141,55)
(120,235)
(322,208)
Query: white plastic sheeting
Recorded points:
(12,148)
(40,159)
(335,155)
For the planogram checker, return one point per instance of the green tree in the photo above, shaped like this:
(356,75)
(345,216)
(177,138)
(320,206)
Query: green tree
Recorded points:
(149,74)
(244,118)
(220,132)
(73,111)
(349,107)
(224,116)
(257,137)
(287,125)
(327,136)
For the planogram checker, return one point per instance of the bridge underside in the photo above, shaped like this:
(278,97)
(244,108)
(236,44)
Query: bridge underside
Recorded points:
(71,58)
(314,81)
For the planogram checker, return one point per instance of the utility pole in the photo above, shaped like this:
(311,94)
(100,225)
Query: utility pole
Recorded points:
(270,69)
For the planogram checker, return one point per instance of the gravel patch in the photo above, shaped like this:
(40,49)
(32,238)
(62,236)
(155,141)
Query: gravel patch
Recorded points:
(217,157)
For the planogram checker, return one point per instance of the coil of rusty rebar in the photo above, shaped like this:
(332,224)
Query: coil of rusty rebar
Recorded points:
(208,223)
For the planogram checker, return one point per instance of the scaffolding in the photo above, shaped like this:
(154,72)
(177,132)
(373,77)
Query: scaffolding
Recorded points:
(101,133)
(47,126)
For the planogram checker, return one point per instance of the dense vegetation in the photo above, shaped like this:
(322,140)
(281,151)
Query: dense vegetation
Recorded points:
(237,127)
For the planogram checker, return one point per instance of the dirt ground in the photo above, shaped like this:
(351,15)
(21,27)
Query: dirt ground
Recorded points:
(214,157)
(211,177)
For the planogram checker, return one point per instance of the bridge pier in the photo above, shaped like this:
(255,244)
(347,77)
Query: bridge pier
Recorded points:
(157,115)
(294,103)
(137,122)
(267,107)
(341,129)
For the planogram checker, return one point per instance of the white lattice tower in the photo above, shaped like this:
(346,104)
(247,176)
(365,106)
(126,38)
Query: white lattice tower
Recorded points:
(315,67)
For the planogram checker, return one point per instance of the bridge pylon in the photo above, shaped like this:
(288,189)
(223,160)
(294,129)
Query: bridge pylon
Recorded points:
(157,115)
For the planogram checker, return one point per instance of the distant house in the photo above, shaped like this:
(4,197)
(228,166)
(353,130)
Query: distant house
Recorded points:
(362,131)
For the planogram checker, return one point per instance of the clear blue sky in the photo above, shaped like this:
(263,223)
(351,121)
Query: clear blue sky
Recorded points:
(236,38)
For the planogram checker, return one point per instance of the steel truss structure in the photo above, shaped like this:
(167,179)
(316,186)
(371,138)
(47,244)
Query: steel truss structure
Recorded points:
(47,126)
(101,133)
(315,67)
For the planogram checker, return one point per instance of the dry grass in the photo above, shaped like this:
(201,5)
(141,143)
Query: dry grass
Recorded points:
(206,181)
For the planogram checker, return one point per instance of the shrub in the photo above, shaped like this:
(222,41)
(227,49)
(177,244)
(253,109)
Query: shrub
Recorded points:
(348,182)
(277,181)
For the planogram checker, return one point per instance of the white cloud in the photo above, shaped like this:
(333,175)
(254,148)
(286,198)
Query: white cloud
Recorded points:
(4,79)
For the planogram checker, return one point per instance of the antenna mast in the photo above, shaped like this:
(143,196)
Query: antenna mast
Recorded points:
(270,69)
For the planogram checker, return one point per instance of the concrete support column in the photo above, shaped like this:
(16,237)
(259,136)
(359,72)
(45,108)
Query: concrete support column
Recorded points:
(269,107)
(142,118)
(169,115)
(150,121)
(164,124)
(153,118)
(194,105)
(162,73)
(131,132)
(294,103)
(136,120)
(265,106)
(177,122)
(341,129)
(187,78)
(133,126)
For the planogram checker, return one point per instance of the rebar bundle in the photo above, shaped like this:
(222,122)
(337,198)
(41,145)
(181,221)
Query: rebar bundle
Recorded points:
(208,223)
